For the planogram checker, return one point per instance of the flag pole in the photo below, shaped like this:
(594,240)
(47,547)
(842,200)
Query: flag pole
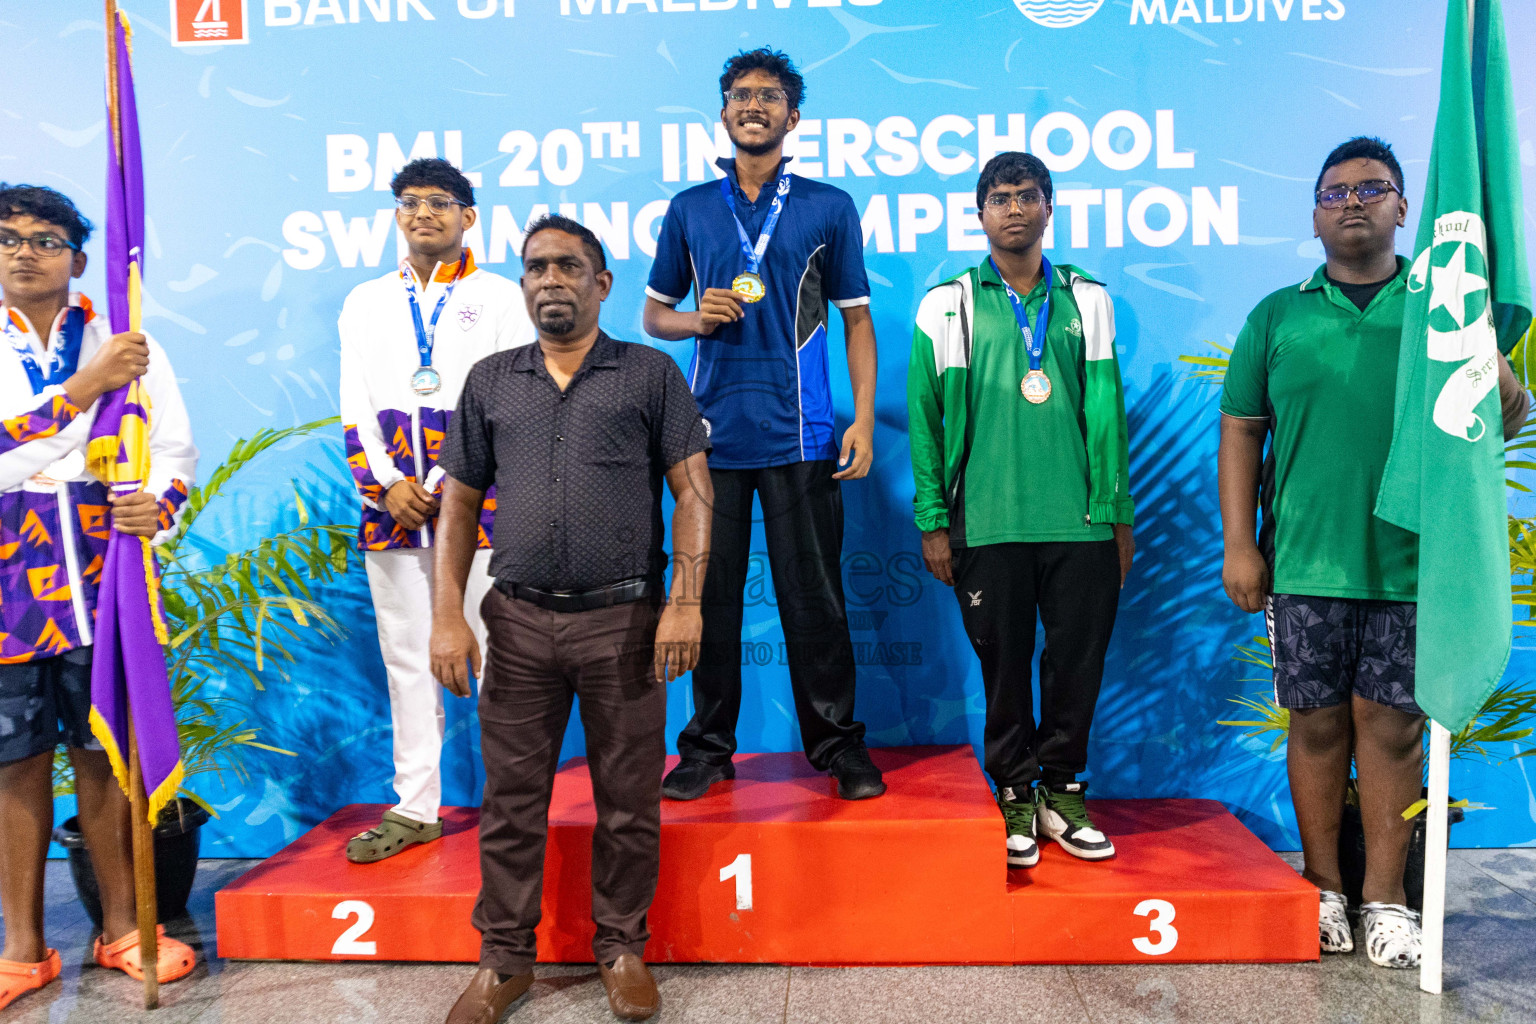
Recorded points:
(1432,957)
(114,129)
(1437,827)
(145,897)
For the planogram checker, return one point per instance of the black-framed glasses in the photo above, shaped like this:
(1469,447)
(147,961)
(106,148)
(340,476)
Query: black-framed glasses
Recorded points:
(46,246)
(1002,201)
(1373,191)
(767,96)
(437,204)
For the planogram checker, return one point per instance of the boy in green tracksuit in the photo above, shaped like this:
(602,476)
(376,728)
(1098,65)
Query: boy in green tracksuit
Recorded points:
(1021,461)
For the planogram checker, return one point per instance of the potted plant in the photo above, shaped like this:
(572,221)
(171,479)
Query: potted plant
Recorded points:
(1497,721)
(234,619)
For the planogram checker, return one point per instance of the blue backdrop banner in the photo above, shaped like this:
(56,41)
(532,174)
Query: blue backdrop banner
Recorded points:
(1184,137)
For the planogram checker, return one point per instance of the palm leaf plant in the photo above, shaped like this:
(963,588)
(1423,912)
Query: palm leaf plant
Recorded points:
(1500,719)
(1209,368)
(238,618)
(1497,721)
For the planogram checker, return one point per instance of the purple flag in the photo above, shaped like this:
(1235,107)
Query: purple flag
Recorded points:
(129,686)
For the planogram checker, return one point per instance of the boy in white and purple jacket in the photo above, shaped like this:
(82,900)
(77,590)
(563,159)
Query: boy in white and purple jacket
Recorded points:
(408,339)
(58,358)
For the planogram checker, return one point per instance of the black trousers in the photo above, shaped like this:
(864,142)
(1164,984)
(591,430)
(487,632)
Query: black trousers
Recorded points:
(1075,589)
(803,519)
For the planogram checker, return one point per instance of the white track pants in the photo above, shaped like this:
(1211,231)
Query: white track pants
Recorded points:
(401,584)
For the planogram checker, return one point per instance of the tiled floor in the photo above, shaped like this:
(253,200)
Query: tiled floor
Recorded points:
(1490,977)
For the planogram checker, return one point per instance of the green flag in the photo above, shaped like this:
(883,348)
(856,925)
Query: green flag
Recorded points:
(1469,292)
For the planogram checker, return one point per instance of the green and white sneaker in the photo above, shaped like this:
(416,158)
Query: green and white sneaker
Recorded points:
(1019,819)
(1061,814)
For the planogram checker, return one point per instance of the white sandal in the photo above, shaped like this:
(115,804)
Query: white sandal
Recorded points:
(1392,935)
(1333,931)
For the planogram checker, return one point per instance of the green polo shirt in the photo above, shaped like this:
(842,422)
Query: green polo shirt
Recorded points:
(1324,373)
(1027,479)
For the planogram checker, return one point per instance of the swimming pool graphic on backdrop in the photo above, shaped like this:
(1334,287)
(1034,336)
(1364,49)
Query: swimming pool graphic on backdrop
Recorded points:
(1058,13)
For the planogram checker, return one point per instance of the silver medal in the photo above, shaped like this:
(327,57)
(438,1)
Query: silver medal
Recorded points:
(426,381)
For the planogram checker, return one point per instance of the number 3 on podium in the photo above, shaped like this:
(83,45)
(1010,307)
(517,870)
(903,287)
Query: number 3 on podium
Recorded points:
(1161,913)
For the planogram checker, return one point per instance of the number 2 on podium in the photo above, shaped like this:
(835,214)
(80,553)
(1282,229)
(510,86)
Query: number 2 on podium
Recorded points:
(741,870)
(346,943)
(1161,913)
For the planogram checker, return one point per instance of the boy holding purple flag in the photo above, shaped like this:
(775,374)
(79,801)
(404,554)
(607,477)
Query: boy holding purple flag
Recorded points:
(59,359)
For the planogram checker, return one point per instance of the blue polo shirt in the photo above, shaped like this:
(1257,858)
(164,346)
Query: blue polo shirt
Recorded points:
(763,382)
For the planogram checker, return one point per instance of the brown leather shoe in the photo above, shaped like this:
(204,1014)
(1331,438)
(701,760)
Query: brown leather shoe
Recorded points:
(488,997)
(632,991)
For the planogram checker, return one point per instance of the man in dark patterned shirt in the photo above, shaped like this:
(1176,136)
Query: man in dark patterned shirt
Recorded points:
(577,433)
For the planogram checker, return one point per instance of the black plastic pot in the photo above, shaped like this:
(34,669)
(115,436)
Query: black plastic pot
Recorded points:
(1352,854)
(177,839)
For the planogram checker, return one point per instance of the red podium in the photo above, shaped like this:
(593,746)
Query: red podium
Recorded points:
(773,868)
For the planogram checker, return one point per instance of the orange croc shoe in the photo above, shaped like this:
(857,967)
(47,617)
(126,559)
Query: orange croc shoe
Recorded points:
(17,979)
(175,962)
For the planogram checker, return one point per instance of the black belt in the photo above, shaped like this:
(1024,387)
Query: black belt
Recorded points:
(622,592)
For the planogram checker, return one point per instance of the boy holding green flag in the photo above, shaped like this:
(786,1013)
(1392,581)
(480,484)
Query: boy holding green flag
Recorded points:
(1316,368)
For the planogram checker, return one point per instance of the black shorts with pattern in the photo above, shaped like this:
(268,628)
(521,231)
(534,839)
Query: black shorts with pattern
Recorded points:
(1327,648)
(45,702)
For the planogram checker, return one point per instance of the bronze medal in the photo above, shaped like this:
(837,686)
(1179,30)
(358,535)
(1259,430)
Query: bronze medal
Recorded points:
(1036,387)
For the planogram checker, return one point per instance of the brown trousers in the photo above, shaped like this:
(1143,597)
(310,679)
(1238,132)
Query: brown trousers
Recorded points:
(537,661)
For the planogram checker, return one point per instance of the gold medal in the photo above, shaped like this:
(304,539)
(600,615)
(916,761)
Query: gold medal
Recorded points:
(1036,387)
(749,286)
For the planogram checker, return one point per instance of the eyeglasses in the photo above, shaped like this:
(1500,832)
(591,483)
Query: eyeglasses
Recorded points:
(46,246)
(1335,196)
(437,204)
(768,97)
(1002,201)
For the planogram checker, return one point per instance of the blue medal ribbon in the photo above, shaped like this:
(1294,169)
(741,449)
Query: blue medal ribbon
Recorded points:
(427,334)
(754,253)
(63,358)
(1034,340)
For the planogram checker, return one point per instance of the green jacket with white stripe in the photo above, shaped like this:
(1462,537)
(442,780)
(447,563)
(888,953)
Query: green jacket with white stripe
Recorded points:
(988,465)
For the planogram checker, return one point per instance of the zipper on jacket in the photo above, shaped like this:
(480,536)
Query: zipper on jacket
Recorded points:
(965,442)
(418,437)
(72,562)
(418,456)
